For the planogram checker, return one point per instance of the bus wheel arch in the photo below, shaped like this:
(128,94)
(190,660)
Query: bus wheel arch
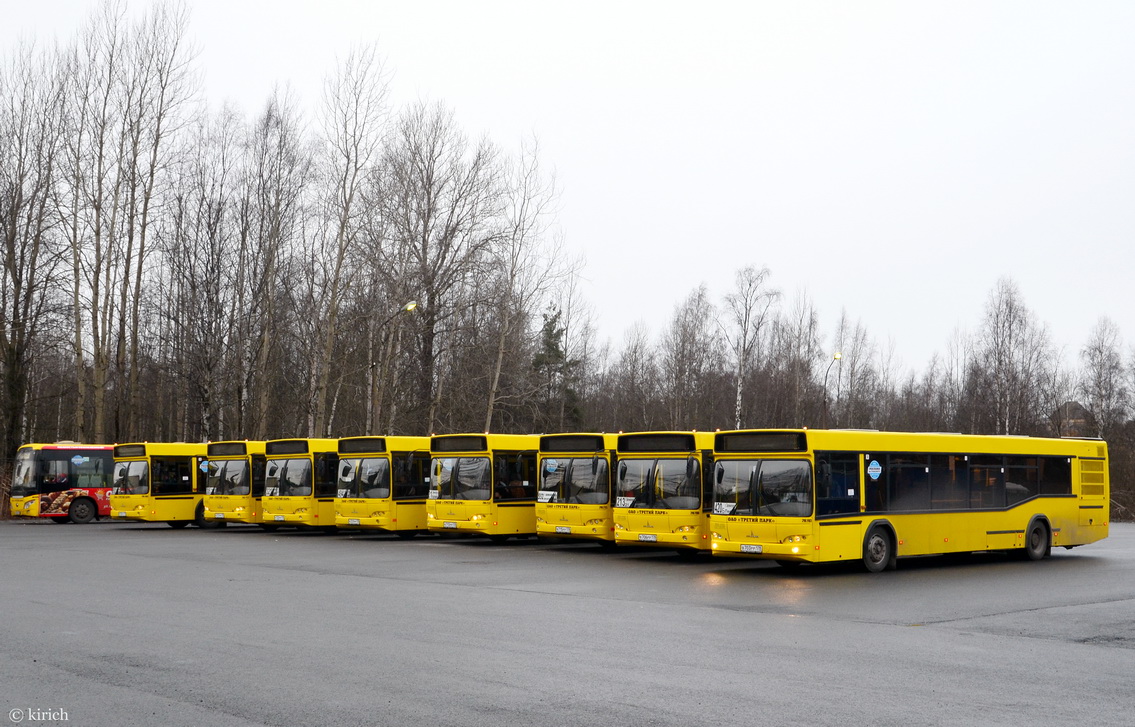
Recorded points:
(82,510)
(1038,538)
(880,549)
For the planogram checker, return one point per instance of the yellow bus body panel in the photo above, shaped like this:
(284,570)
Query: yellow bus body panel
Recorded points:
(24,506)
(232,508)
(154,509)
(381,514)
(680,529)
(308,511)
(567,520)
(481,517)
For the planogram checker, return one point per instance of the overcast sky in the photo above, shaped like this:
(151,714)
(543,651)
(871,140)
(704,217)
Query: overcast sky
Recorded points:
(890,159)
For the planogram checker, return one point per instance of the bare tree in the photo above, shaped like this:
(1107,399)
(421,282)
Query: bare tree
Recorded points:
(1102,380)
(750,308)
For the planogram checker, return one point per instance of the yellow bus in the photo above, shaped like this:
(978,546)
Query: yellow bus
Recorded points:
(159,482)
(235,484)
(663,493)
(63,482)
(483,484)
(814,496)
(299,484)
(383,484)
(573,498)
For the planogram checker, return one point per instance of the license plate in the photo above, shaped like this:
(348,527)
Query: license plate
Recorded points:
(647,538)
(121,514)
(279,518)
(353,521)
(220,516)
(450,524)
(748,548)
(563,529)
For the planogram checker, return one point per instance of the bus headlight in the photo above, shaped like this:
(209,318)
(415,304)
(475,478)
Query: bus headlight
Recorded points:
(475,518)
(685,529)
(596,521)
(794,539)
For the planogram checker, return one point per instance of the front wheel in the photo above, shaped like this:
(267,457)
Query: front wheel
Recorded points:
(406,534)
(878,551)
(178,524)
(1037,542)
(82,511)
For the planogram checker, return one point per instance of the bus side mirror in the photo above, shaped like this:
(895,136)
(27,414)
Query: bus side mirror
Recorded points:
(595,465)
(718,474)
(691,468)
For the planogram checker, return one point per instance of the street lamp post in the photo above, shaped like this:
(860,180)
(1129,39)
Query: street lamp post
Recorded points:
(836,357)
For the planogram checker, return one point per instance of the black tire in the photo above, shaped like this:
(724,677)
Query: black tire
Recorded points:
(59,520)
(82,511)
(177,524)
(406,534)
(789,564)
(200,521)
(1038,543)
(269,528)
(498,539)
(878,550)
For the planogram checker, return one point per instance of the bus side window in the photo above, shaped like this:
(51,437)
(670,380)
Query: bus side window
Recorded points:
(837,483)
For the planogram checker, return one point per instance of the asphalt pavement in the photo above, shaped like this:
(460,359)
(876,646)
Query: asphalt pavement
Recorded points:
(123,624)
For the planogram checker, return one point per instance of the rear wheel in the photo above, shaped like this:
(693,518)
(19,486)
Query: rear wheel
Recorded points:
(1037,541)
(878,550)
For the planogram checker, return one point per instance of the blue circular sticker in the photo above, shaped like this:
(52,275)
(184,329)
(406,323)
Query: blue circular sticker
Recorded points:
(551,465)
(874,470)
(78,459)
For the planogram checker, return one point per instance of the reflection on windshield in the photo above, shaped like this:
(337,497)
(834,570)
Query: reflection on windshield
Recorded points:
(228,477)
(664,484)
(368,478)
(23,479)
(581,480)
(763,487)
(461,478)
(131,478)
(288,478)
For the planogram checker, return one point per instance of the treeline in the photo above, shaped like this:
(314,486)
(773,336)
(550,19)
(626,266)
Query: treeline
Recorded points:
(174,272)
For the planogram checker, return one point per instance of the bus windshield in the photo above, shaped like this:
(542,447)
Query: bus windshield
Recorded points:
(228,477)
(462,478)
(581,480)
(131,478)
(369,477)
(763,487)
(23,479)
(288,478)
(663,484)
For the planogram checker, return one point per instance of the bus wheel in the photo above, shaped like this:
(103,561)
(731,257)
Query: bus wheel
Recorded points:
(498,538)
(177,524)
(269,528)
(406,534)
(878,551)
(58,520)
(1037,542)
(789,564)
(82,511)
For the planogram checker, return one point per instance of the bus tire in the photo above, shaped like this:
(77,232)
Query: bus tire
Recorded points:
(878,550)
(82,511)
(177,524)
(200,521)
(498,539)
(269,528)
(406,534)
(1038,542)
(789,564)
(59,520)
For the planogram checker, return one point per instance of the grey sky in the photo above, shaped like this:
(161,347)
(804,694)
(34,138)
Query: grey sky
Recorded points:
(891,159)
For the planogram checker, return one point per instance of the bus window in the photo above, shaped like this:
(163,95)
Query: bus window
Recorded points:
(987,481)
(131,478)
(515,477)
(410,479)
(634,476)
(837,483)
(472,479)
(734,484)
(1022,479)
(677,484)
(587,481)
(1055,476)
(909,480)
(949,482)
(785,488)
(172,475)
